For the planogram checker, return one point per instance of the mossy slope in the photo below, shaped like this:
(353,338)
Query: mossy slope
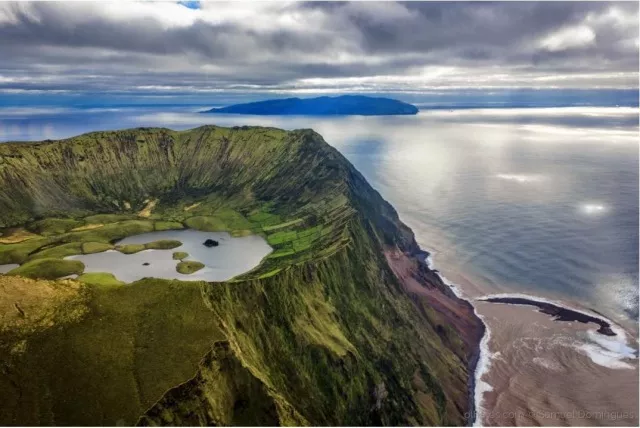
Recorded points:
(238,398)
(88,355)
(322,332)
(189,267)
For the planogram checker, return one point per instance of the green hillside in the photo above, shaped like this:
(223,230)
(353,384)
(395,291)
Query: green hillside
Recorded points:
(340,324)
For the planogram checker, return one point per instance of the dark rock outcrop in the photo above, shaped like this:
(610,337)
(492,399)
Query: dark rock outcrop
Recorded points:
(210,243)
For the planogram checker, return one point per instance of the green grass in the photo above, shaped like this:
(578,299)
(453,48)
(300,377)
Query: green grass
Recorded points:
(300,245)
(82,242)
(110,233)
(269,274)
(233,219)
(167,225)
(318,325)
(49,268)
(281,237)
(264,218)
(100,278)
(95,247)
(179,255)
(163,244)
(206,223)
(189,267)
(221,220)
(18,253)
(108,218)
(282,225)
(133,344)
(53,226)
(281,252)
(66,243)
(130,248)
(58,252)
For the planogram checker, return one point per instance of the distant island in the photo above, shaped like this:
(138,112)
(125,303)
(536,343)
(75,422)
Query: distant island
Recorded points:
(344,105)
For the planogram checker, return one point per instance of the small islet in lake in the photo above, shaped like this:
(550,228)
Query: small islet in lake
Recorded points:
(232,257)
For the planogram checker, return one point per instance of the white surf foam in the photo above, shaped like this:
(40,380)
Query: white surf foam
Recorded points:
(484,357)
(607,351)
(482,367)
(456,290)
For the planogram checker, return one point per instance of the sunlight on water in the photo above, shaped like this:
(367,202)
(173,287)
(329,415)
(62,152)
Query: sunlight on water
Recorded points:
(521,178)
(593,209)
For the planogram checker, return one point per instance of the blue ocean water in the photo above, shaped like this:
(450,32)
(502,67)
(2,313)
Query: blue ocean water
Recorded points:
(522,195)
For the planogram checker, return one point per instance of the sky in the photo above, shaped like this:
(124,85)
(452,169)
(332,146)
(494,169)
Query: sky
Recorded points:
(314,47)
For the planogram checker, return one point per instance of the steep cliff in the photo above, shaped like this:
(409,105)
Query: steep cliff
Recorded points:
(341,324)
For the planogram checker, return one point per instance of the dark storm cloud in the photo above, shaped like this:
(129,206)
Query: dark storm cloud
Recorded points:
(316,46)
(484,30)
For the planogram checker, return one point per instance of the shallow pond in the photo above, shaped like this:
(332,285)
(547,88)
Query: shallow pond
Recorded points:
(232,257)
(7,268)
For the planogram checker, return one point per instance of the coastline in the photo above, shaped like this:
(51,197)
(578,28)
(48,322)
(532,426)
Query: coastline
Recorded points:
(478,388)
(481,358)
(413,269)
(617,330)
(478,366)
(556,311)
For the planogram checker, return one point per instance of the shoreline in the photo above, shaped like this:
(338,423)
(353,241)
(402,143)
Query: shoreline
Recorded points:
(481,358)
(616,328)
(557,312)
(481,361)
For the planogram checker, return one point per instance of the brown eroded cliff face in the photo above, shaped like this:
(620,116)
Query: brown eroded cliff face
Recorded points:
(431,293)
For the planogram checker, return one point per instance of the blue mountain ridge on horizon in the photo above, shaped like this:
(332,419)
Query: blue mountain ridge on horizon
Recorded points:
(322,106)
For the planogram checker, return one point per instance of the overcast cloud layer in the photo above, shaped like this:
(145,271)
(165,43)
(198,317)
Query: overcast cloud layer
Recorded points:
(314,47)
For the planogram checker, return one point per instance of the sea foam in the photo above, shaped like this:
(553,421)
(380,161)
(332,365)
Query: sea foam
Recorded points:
(484,356)
(610,352)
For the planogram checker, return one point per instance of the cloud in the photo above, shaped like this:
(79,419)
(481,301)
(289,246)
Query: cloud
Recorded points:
(570,37)
(315,46)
